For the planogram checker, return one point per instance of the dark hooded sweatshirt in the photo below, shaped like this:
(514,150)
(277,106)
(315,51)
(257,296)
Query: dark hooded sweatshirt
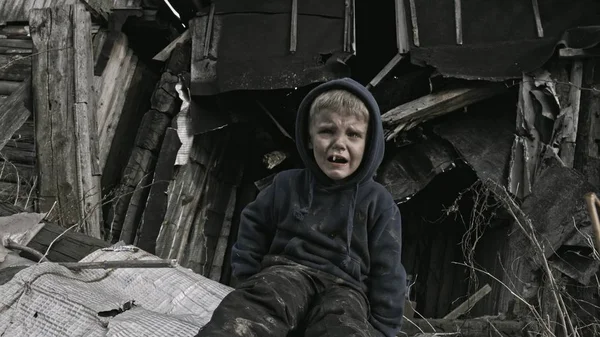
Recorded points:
(349,228)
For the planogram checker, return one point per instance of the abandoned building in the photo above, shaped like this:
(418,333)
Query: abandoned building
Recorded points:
(135,132)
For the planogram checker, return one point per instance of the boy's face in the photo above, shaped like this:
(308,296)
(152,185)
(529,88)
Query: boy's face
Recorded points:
(338,142)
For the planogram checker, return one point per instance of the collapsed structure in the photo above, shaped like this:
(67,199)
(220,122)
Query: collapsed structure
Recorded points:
(127,123)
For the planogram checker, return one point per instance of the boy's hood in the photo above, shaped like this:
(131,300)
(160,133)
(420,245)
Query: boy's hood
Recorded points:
(375,143)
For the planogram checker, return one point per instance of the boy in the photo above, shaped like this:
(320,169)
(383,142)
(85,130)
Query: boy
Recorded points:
(320,247)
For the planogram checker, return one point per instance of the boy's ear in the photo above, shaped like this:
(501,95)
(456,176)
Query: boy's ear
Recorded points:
(310,146)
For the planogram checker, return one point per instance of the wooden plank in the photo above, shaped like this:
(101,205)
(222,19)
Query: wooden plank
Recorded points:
(218,262)
(467,328)
(155,208)
(294,27)
(567,147)
(8,87)
(16,43)
(414,22)
(458,21)
(388,67)
(70,247)
(14,68)
(538,19)
(52,33)
(164,54)
(464,307)
(17,155)
(16,172)
(578,53)
(408,115)
(64,105)
(14,112)
(107,86)
(106,131)
(90,194)
(134,178)
(14,31)
(402,40)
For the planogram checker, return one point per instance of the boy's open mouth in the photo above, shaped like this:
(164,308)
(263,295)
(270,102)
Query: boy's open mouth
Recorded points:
(337,159)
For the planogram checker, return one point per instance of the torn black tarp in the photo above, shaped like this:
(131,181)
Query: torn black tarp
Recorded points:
(250,46)
(410,168)
(500,39)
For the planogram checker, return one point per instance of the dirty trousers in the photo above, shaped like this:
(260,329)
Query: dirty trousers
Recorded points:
(291,300)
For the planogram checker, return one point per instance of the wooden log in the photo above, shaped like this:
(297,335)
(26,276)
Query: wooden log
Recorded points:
(63,105)
(70,247)
(402,39)
(155,208)
(14,112)
(466,328)
(408,115)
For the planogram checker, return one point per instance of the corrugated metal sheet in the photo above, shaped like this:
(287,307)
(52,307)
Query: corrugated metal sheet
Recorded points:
(18,10)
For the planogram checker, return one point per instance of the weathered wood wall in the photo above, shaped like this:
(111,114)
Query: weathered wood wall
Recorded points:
(202,200)
(64,114)
(129,196)
(17,153)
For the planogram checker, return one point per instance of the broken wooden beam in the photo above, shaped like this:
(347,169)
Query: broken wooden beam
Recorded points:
(120,264)
(467,305)
(64,105)
(164,54)
(65,245)
(408,115)
(388,67)
(466,328)
(14,111)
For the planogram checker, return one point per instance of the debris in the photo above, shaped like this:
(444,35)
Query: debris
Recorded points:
(274,158)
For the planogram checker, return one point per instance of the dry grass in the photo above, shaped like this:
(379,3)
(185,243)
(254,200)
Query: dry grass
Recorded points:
(489,196)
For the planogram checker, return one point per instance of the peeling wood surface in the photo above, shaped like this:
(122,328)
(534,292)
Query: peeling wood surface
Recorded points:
(408,115)
(63,106)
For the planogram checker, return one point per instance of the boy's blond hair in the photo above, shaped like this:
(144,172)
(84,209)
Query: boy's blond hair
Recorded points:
(341,101)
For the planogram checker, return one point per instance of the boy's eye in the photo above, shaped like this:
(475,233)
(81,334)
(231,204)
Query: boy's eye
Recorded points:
(326,131)
(355,135)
